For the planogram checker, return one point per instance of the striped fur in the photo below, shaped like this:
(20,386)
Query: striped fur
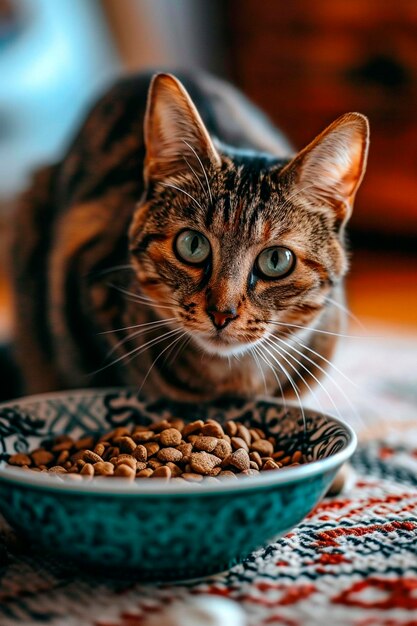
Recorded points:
(93,251)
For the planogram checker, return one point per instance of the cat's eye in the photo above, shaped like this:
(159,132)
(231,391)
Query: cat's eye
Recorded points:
(275,262)
(192,247)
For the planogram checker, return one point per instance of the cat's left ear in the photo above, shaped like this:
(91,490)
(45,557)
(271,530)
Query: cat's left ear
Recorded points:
(174,131)
(330,169)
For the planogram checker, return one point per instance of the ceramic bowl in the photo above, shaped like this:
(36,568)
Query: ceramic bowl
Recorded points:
(151,528)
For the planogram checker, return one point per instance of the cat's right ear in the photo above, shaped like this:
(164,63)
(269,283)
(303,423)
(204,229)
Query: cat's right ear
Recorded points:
(174,132)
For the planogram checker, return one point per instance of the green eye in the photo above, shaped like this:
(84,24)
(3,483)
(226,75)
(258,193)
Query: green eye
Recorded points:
(192,246)
(275,262)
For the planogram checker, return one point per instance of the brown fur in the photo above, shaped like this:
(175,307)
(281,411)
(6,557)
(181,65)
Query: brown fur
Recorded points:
(121,196)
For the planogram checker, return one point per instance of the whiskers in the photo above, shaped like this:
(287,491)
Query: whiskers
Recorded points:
(182,191)
(202,168)
(346,311)
(312,329)
(262,348)
(288,355)
(135,352)
(145,300)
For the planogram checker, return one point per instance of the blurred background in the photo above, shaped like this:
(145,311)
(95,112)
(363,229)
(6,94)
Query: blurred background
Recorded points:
(304,62)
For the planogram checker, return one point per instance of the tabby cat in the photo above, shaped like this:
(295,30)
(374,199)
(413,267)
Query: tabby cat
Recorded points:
(181,247)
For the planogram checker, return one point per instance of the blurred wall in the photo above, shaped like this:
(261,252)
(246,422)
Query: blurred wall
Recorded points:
(169,33)
(308,61)
(55,55)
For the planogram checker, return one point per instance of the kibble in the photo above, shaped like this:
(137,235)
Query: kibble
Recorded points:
(170,437)
(169,449)
(263,446)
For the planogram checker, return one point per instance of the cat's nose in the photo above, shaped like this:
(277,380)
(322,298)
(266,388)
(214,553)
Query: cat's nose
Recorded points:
(221,319)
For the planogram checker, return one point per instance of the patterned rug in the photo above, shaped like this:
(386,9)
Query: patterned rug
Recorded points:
(352,562)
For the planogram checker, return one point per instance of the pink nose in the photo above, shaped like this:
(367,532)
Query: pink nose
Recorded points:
(220,319)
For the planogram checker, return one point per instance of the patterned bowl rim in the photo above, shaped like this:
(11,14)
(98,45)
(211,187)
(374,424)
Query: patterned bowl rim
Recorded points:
(118,487)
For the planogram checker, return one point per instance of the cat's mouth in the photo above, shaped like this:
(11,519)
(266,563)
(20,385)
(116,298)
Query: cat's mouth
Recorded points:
(222,345)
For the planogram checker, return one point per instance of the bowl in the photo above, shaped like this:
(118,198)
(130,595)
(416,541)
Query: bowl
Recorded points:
(153,529)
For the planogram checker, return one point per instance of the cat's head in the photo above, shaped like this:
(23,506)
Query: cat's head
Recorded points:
(237,245)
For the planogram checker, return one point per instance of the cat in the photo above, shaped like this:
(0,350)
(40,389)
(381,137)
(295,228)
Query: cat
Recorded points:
(182,247)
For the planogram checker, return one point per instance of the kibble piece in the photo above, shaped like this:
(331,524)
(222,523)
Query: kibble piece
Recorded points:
(126,444)
(61,438)
(170,437)
(121,431)
(250,472)
(215,471)
(253,465)
(154,463)
(177,423)
(240,459)
(169,455)
(213,429)
(206,444)
(143,436)
(73,476)
(263,446)
(125,471)
(57,469)
(223,449)
(254,435)
(191,477)
(110,452)
(152,447)
(158,427)
(145,473)
(203,462)
(99,449)
(41,457)
(192,427)
(128,459)
(286,460)
(227,474)
(140,466)
(62,457)
(256,457)
(296,457)
(84,443)
(231,428)
(162,472)
(175,470)
(270,465)
(87,470)
(139,427)
(77,455)
(244,434)
(90,456)
(185,449)
(103,468)
(280,454)
(238,442)
(140,453)
(67,444)
(20,459)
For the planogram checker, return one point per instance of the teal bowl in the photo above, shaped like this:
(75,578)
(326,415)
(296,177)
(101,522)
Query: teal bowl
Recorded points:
(152,529)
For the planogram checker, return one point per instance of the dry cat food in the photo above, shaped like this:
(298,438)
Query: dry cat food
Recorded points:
(168,449)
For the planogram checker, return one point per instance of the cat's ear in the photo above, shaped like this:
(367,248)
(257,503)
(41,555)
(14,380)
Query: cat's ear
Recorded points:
(174,131)
(330,169)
